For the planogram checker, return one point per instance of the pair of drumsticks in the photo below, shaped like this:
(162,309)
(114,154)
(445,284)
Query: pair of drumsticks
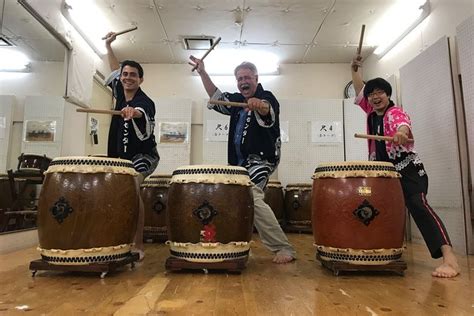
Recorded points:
(239,104)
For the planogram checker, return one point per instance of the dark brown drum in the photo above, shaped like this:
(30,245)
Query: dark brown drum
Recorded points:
(88,210)
(33,163)
(17,203)
(6,193)
(358,212)
(275,198)
(154,192)
(210,213)
(298,206)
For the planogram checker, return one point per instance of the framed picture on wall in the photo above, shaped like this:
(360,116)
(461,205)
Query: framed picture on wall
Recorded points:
(39,131)
(173,132)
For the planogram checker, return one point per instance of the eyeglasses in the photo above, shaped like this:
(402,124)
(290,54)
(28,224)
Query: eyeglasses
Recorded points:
(376,93)
(244,78)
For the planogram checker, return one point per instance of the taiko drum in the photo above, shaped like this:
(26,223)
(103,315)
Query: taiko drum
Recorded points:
(275,198)
(88,210)
(210,213)
(298,205)
(154,192)
(358,212)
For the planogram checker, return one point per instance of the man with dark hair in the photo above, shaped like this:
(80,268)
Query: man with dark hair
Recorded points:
(384,118)
(131,135)
(254,143)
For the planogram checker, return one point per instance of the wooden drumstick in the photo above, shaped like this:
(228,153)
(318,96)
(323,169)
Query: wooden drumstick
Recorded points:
(207,53)
(378,137)
(98,111)
(123,32)
(359,49)
(228,103)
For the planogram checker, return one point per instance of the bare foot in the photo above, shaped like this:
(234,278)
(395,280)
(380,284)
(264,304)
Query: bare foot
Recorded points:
(283,257)
(449,268)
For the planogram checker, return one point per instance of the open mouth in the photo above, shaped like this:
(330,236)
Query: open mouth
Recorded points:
(245,87)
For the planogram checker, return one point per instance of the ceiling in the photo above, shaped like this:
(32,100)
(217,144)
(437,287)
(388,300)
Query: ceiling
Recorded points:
(297,31)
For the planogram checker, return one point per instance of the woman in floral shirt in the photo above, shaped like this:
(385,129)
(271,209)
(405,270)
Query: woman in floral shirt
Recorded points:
(384,118)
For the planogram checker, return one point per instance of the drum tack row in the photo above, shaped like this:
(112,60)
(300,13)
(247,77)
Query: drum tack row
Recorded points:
(88,214)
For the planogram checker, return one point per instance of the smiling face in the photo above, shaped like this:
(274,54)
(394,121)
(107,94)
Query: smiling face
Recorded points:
(379,100)
(247,82)
(130,78)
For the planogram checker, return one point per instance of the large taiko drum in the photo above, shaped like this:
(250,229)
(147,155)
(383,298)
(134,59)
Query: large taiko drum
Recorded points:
(298,207)
(275,198)
(210,213)
(358,212)
(88,210)
(154,192)
(33,163)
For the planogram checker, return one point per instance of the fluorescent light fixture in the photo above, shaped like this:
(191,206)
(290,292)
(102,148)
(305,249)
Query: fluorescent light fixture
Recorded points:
(222,62)
(402,18)
(12,60)
(4,42)
(89,22)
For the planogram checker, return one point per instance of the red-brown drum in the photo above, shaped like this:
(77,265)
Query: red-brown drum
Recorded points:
(358,212)
(33,163)
(298,206)
(210,213)
(275,198)
(154,192)
(88,210)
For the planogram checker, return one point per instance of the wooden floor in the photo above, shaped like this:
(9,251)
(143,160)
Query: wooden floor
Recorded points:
(303,287)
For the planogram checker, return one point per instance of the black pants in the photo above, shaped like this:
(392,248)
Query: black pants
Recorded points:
(429,224)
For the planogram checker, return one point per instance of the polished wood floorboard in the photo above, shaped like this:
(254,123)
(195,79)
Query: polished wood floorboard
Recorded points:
(303,287)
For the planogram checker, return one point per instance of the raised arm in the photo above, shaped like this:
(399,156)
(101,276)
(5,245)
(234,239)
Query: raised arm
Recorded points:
(357,75)
(206,80)
(113,61)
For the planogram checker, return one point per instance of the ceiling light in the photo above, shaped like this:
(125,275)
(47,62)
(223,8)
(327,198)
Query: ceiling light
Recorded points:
(12,60)
(408,14)
(224,61)
(89,22)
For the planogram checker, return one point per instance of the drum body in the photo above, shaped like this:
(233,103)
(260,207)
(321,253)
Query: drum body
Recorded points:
(6,194)
(88,210)
(154,193)
(298,205)
(358,212)
(274,197)
(33,163)
(210,213)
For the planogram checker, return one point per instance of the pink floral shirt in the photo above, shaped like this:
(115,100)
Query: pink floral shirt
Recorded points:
(394,118)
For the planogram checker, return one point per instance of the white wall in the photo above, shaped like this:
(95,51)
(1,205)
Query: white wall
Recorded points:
(304,81)
(46,79)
